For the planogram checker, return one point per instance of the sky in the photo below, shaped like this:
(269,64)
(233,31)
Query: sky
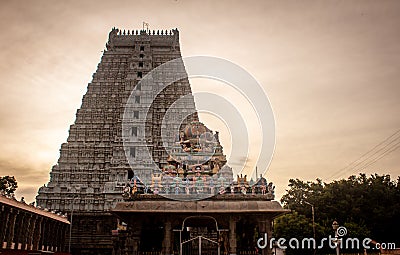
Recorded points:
(329,68)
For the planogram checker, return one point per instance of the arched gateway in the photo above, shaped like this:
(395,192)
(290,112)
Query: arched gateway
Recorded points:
(201,234)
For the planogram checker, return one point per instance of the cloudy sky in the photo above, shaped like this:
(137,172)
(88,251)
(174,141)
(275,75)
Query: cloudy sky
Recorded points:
(331,70)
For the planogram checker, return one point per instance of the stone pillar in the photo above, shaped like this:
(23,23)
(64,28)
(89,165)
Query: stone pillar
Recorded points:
(44,240)
(21,230)
(17,230)
(49,235)
(31,231)
(133,241)
(42,234)
(57,239)
(167,238)
(37,234)
(11,228)
(4,226)
(264,226)
(64,232)
(232,235)
(26,231)
(53,235)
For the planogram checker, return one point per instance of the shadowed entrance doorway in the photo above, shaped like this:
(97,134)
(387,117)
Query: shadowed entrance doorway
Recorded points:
(201,235)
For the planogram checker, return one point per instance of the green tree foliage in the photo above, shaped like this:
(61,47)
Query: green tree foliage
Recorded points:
(366,206)
(8,184)
(300,226)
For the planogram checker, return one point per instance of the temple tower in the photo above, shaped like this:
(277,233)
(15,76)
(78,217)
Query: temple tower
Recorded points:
(92,168)
(99,164)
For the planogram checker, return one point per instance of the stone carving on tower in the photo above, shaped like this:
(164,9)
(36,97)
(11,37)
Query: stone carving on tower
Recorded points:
(92,169)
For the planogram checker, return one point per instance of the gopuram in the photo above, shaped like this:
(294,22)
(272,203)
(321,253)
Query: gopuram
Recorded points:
(140,174)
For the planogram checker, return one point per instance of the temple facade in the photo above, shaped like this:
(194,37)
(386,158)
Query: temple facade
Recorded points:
(192,206)
(139,174)
(222,224)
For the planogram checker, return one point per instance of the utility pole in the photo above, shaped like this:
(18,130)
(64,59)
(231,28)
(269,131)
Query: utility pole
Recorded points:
(313,223)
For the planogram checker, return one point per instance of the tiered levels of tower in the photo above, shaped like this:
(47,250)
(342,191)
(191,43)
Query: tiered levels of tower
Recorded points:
(93,169)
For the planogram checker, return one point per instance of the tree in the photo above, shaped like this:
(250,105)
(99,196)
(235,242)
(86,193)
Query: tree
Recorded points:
(8,184)
(366,206)
(292,225)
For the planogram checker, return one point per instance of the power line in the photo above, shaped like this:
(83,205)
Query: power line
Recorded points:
(390,150)
(372,155)
(352,166)
(375,159)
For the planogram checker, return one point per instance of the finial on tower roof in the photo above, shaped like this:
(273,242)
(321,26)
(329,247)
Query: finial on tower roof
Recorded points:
(145,25)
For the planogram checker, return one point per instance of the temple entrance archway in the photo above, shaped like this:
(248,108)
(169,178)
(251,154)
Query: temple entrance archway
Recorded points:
(200,245)
(200,235)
